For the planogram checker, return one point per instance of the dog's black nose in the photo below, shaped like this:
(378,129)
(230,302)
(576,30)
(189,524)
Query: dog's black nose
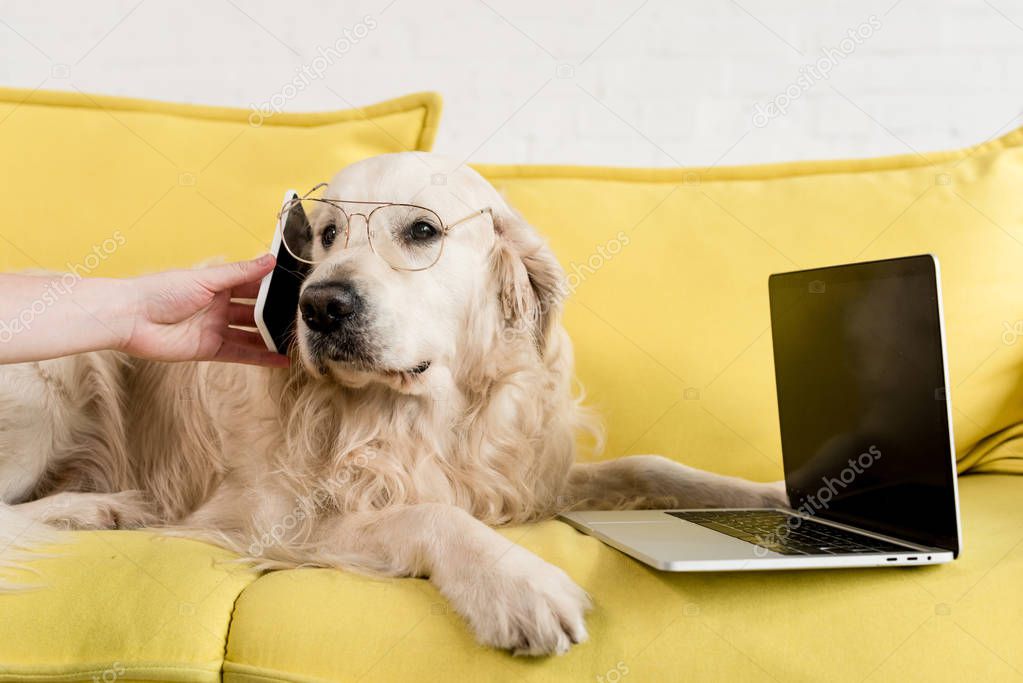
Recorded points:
(326,306)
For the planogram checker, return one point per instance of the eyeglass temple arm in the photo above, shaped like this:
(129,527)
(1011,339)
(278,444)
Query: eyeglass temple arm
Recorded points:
(315,188)
(474,214)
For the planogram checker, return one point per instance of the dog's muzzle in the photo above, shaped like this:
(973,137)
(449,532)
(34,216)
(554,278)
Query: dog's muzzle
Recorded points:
(330,306)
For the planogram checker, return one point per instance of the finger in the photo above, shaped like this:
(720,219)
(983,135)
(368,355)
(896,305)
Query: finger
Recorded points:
(249,290)
(236,353)
(231,275)
(243,315)
(244,338)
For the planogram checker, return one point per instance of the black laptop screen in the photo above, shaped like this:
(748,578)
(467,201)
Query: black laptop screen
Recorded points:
(862,398)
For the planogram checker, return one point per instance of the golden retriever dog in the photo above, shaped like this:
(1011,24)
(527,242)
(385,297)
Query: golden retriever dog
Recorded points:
(421,410)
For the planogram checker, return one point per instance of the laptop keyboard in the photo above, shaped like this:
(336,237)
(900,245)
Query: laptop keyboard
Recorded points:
(771,529)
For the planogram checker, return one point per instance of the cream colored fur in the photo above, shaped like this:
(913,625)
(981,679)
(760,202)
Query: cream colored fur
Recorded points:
(336,464)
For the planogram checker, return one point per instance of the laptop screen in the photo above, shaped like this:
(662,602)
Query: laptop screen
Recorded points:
(862,402)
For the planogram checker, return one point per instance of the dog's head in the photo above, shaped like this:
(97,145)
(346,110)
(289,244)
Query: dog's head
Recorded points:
(494,283)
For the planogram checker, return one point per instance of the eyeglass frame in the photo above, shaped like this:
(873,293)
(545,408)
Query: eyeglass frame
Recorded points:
(445,228)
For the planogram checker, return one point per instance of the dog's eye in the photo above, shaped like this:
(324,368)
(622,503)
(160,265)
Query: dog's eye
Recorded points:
(420,231)
(328,236)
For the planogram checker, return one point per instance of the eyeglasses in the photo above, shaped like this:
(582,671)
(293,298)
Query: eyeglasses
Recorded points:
(406,236)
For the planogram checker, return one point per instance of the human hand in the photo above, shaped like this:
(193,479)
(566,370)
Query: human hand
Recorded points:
(189,315)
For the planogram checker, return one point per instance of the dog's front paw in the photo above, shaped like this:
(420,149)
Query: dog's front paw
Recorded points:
(522,604)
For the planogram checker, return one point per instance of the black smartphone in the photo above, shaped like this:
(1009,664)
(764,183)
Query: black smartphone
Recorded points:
(277,301)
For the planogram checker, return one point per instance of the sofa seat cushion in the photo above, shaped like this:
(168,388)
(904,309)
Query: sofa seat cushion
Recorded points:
(120,606)
(940,623)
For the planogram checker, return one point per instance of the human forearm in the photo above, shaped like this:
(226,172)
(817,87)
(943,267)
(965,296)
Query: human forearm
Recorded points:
(45,316)
(177,315)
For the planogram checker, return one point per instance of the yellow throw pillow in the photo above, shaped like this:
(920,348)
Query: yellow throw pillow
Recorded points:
(111,186)
(669,311)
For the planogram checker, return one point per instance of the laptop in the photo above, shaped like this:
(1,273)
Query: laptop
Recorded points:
(866,432)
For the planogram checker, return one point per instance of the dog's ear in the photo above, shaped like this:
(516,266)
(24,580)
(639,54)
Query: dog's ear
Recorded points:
(532,284)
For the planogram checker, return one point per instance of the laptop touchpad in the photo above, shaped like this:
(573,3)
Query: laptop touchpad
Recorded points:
(679,540)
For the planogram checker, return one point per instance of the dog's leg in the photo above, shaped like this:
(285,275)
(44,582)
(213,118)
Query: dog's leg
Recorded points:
(510,598)
(652,481)
(75,510)
(61,428)
(33,410)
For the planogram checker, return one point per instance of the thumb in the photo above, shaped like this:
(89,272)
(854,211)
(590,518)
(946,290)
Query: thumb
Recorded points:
(230,275)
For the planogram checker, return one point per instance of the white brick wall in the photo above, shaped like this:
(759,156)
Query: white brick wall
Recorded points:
(648,83)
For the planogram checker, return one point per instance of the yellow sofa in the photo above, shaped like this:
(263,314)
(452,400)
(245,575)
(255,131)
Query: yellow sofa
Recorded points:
(669,317)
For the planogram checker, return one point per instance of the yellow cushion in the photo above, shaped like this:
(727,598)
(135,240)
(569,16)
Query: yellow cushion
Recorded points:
(111,186)
(669,269)
(946,623)
(122,605)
